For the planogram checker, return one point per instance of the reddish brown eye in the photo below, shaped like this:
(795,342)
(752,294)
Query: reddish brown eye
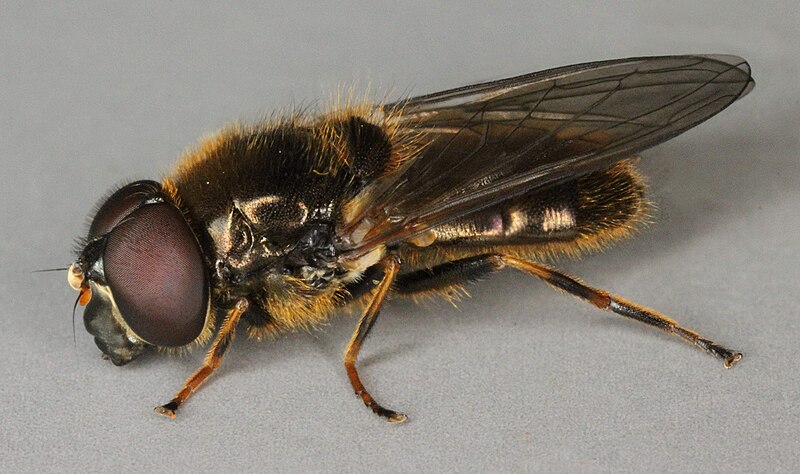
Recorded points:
(155,270)
(120,204)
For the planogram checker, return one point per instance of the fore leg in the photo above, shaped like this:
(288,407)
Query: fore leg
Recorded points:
(391,265)
(448,275)
(213,359)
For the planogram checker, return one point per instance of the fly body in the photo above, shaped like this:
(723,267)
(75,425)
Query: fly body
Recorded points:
(276,226)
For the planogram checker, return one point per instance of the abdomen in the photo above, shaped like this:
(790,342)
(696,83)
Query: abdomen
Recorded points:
(571,218)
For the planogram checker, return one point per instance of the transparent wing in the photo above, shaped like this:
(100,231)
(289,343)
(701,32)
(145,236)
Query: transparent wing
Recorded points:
(489,142)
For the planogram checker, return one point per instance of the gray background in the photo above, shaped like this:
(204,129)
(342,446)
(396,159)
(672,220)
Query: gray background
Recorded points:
(519,377)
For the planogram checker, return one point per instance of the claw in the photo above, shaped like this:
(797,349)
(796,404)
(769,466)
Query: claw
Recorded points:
(167,410)
(732,360)
(396,418)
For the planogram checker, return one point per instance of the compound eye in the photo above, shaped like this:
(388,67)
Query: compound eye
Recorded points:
(120,204)
(154,268)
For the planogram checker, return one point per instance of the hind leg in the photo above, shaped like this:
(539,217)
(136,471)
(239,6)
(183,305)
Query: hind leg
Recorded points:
(446,276)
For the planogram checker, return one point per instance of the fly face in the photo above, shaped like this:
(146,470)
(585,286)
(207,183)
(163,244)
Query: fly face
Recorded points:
(141,274)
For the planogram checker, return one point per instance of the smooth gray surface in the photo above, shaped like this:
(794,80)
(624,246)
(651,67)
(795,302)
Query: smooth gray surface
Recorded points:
(520,377)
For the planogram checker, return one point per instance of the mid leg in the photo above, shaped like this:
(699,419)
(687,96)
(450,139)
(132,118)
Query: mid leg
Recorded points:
(391,266)
(211,362)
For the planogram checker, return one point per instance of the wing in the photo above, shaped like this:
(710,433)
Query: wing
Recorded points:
(485,143)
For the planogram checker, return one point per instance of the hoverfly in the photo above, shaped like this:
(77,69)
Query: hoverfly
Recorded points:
(277,225)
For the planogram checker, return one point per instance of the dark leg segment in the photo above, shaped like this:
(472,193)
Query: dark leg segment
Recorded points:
(446,275)
(604,300)
(391,266)
(213,359)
